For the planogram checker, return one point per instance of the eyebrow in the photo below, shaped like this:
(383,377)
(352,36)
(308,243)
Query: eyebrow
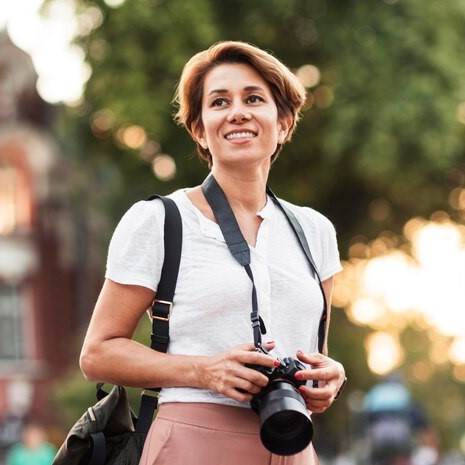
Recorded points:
(247,88)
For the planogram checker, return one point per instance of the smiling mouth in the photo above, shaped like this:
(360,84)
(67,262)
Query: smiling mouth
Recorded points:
(240,135)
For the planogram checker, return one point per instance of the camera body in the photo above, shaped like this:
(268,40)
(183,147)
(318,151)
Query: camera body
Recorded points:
(284,372)
(286,427)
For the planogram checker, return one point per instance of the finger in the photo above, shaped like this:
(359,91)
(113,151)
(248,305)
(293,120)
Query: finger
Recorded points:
(322,397)
(317,394)
(248,387)
(240,396)
(316,375)
(260,380)
(269,345)
(263,358)
(323,368)
(312,358)
(247,347)
(316,408)
(244,351)
(316,403)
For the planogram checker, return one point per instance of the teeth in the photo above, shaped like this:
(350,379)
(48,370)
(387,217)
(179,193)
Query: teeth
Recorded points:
(240,135)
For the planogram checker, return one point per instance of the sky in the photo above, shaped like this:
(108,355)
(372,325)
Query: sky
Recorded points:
(61,70)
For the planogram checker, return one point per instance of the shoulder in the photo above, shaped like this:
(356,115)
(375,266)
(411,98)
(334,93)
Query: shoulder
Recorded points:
(310,219)
(148,213)
(145,208)
(136,252)
(154,205)
(321,237)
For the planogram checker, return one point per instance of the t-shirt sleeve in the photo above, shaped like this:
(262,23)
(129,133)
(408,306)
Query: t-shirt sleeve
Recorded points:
(322,240)
(330,260)
(136,251)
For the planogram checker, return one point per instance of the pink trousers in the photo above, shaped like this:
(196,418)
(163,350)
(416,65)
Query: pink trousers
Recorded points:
(211,434)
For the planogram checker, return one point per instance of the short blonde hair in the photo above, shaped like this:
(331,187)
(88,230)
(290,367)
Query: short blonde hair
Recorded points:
(288,92)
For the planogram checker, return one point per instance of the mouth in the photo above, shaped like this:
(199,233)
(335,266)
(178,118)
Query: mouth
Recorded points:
(240,135)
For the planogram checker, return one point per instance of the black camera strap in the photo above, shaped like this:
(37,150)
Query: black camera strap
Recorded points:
(236,243)
(240,250)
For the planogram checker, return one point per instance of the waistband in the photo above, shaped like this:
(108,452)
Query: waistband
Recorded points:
(213,416)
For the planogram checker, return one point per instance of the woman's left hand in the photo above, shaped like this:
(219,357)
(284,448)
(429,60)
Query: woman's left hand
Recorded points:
(330,376)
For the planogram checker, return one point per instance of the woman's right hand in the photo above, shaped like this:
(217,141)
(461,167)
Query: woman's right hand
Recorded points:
(228,374)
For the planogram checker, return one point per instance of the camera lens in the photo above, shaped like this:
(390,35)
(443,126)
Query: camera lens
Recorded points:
(286,428)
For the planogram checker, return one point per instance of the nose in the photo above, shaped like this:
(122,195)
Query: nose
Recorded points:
(239,114)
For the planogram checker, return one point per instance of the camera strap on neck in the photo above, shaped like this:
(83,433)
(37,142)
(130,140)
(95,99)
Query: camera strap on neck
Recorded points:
(240,250)
(236,243)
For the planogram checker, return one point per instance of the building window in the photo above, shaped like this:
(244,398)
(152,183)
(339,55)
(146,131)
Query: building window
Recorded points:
(15,208)
(11,337)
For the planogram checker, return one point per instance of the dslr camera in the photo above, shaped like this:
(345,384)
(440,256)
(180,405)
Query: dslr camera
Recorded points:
(285,424)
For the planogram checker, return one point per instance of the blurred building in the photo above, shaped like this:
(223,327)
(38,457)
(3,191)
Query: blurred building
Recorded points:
(42,265)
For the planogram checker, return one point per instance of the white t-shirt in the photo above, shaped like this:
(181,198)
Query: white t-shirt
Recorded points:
(212,303)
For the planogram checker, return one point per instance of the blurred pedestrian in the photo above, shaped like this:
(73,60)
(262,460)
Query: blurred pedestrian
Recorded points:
(397,427)
(33,449)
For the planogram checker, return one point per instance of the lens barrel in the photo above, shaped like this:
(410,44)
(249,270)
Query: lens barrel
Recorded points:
(286,427)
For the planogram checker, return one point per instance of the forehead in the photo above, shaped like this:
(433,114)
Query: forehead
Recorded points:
(227,77)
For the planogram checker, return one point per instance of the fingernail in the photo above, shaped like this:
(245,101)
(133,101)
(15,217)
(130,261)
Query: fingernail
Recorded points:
(269,342)
(276,363)
(299,352)
(299,375)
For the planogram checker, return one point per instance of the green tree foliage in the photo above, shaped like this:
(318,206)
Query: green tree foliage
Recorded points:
(382,122)
(380,127)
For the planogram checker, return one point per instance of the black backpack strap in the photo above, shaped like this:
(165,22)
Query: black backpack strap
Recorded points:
(297,228)
(163,303)
(98,449)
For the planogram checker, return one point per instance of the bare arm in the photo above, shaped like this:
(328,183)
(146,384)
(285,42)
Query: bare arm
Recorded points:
(110,355)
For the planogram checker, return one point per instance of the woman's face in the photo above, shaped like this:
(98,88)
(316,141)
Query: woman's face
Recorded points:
(239,116)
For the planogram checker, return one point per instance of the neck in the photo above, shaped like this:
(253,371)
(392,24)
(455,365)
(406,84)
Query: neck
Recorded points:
(245,192)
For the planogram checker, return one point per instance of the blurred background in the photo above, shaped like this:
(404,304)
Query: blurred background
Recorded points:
(86,129)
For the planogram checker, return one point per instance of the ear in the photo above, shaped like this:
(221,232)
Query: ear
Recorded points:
(199,136)
(284,125)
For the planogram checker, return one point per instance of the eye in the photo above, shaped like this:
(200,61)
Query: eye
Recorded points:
(254,99)
(219,102)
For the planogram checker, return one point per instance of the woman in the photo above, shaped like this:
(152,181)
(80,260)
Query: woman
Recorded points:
(240,104)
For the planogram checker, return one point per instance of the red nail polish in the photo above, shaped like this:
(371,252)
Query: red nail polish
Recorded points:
(276,363)
(299,375)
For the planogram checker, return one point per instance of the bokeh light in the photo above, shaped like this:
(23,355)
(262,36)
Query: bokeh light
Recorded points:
(324,96)
(164,167)
(149,150)
(384,352)
(102,122)
(48,39)
(386,286)
(133,136)
(114,3)
(309,75)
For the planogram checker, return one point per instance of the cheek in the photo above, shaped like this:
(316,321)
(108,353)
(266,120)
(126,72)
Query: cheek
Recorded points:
(210,126)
